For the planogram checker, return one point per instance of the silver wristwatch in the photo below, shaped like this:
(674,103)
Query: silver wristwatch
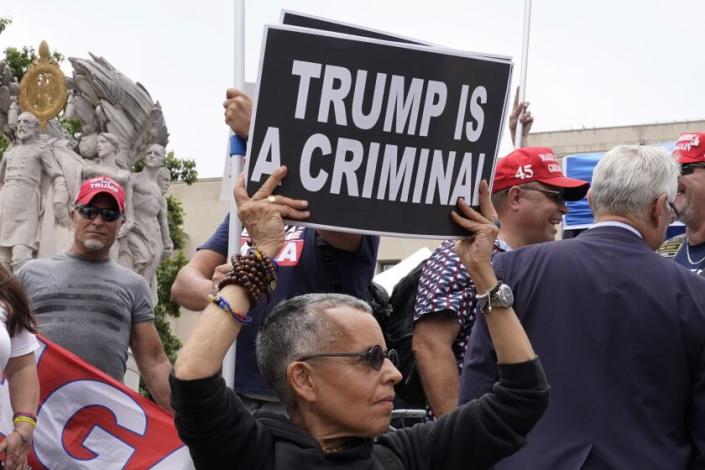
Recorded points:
(500,296)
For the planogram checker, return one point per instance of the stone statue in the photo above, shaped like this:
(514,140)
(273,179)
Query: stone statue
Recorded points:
(164,182)
(8,99)
(148,241)
(41,173)
(21,172)
(106,163)
(55,238)
(105,100)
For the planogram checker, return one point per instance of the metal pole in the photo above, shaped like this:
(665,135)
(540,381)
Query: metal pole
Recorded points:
(524,65)
(237,154)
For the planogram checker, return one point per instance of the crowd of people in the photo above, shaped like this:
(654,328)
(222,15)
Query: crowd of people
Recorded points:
(616,316)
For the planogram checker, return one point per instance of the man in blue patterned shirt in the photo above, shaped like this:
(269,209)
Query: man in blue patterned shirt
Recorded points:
(529,194)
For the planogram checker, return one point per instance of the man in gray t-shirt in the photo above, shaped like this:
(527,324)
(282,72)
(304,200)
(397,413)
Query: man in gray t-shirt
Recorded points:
(88,307)
(92,306)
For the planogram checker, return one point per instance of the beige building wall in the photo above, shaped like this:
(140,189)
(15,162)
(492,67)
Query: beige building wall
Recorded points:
(204,211)
(604,138)
(393,250)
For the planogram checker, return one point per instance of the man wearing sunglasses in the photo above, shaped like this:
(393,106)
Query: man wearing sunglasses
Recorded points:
(530,194)
(689,249)
(92,306)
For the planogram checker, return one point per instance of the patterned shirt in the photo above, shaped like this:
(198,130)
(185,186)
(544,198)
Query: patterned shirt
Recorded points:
(445,285)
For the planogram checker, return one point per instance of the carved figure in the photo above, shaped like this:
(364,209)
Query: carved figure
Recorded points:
(105,100)
(55,238)
(21,172)
(119,121)
(8,99)
(148,241)
(164,181)
(113,108)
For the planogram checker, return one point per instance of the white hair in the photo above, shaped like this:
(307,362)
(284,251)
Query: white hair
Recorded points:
(630,177)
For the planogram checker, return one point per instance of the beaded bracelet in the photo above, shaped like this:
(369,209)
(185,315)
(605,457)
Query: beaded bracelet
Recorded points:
(224,305)
(254,272)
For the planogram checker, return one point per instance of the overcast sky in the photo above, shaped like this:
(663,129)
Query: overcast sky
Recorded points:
(591,64)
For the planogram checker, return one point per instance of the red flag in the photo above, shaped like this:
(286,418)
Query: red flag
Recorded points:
(87,419)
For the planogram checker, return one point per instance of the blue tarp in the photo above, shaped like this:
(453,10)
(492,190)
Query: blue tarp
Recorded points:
(580,166)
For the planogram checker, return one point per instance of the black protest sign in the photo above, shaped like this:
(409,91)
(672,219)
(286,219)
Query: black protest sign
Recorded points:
(307,21)
(379,137)
(314,22)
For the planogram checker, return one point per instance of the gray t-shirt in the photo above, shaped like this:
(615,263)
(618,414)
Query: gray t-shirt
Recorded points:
(88,307)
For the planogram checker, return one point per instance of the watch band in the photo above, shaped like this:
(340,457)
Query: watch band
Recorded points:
(483,300)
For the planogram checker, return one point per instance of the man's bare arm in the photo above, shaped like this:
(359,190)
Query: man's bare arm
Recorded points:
(194,281)
(432,345)
(152,362)
(521,113)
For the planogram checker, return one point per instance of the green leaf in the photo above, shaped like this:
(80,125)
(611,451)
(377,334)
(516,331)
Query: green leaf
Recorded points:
(5,21)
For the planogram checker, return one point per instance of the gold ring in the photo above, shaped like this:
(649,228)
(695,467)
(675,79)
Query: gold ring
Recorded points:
(271,199)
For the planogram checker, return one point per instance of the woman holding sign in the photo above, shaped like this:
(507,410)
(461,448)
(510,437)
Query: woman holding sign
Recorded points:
(325,357)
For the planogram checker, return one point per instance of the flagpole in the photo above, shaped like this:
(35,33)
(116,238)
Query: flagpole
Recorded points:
(237,154)
(524,65)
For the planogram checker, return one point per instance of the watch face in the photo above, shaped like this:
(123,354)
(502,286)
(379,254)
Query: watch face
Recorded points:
(504,297)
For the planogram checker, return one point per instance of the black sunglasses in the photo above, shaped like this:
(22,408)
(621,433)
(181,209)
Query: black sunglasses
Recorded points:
(688,168)
(557,196)
(90,213)
(374,357)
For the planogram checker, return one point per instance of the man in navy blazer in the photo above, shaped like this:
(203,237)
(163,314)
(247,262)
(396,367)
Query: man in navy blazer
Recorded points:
(620,331)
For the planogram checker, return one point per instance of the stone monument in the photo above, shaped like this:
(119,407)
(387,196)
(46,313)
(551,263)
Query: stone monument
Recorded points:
(147,240)
(43,168)
(21,172)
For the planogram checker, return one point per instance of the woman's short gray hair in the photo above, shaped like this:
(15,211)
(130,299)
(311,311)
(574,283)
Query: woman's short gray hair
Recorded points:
(630,177)
(295,328)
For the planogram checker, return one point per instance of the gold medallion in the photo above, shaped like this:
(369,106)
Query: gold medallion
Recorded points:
(42,89)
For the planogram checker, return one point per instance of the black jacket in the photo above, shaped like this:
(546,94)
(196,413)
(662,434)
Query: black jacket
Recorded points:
(220,433)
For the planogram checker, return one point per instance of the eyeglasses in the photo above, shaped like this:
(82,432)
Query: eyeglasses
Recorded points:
(689,168)
(556,196)
(90,213)
(374,357)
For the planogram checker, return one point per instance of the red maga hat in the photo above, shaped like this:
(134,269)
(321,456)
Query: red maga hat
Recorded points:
(528,164)
(690,147)
(101,185)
